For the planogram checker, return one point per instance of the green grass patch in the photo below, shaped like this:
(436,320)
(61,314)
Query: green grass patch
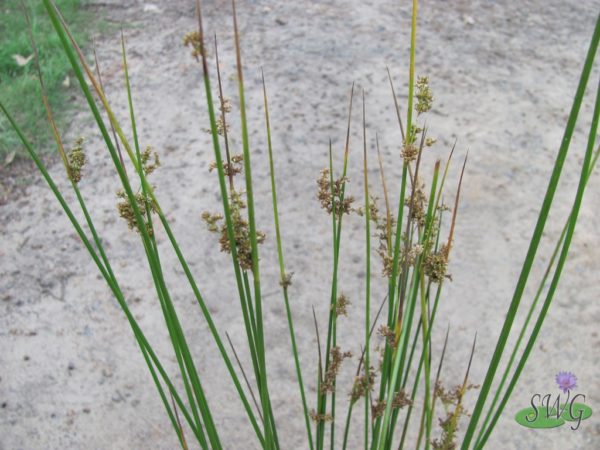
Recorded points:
(19,85)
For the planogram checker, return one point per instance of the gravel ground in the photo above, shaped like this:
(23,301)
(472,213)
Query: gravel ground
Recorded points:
(503,75)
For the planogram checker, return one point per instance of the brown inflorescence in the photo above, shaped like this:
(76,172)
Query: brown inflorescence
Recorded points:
(401,399)
(335,362)
(193,39)
(332,196)
(452,401)
(241,231)
(341,305)
(424,95)
(362,385)
(436,265)
(76,160)
(388,334)
(320,417)
(145,156)
(126,210)
(230,169)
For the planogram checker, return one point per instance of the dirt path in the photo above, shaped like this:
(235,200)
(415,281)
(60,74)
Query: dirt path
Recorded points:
(503,77)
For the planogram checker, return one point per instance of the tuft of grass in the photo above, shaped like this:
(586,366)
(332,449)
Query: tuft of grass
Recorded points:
(414,247)
(19,86)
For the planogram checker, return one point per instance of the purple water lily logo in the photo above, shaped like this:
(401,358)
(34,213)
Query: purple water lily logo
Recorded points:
(545,412)
(566,381)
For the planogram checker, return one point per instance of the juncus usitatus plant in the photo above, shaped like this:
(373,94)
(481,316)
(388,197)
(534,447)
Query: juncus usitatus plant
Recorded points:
(393,354)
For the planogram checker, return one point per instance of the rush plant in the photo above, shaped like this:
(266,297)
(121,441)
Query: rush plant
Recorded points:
(413,240)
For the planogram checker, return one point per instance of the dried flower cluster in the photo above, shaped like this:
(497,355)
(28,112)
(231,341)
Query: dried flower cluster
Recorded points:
(401,399)
(362,385)
(212,221)
(389,335)
(331,195)
(222,126)
(225,105)
(341,305)
(76,161)
(417,204)
(241,230)
(230,169)
(149,162)
(126,210)
(335,362)
(424,95)
(147,165)
(193,39)
(436,265)
(409,152)
(452,401)
(286,280)
(413,254)
(384,233)
(378,408)
(320,417)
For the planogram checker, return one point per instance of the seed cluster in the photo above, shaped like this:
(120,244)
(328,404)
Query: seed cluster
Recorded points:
(409,152)
(232,168)
(335,362)
(388,334)
(452,401)
(417,204)
(362,385)
(193,39)
(401,399)
(320,417)
(150,162)
(76,160)
(126,210)
(378,408)
(436,265)
(147,165)
(286,280)
(382,235)
(241,230)
(341,305)
(331,195)
(424,95)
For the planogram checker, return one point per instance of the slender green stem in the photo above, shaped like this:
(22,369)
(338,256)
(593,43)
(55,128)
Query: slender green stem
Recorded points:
(535,240)
(285,280)
(585,169)
(367,364)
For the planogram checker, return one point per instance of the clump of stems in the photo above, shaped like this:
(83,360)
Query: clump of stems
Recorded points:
(414,245)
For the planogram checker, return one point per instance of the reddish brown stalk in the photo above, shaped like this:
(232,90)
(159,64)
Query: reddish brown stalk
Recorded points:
(179,426)
(318,346)
(47,107)
(244,375)
(404,273)
(388,225)
(201,35)
(454,212)
(222,101)
(396,104)
(362,355)
(98,72)
(446,167)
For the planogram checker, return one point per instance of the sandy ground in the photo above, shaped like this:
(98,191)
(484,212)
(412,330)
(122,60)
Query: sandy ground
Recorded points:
(503,74)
